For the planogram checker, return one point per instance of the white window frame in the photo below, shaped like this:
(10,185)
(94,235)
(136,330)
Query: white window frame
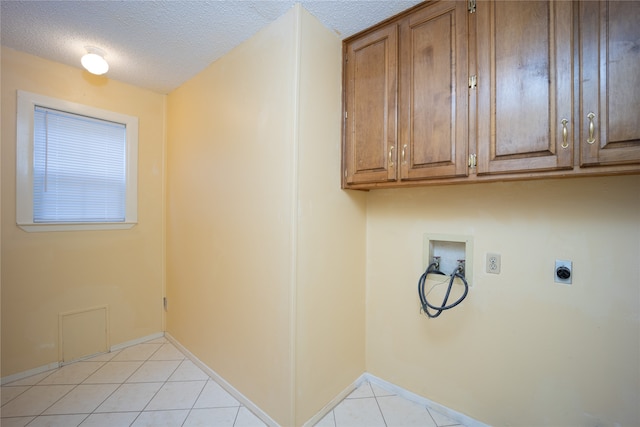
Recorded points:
(24,163)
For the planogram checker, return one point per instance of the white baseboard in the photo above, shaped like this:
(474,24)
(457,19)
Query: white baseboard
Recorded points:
(397,390)
(335,401)
(56,365)
(454,415)
(223,383)
(136,341)
(30,372)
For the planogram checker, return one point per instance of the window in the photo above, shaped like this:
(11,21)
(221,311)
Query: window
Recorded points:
(76,166)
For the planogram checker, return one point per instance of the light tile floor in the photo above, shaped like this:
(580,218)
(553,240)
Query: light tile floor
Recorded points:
(373,406)
(153,384)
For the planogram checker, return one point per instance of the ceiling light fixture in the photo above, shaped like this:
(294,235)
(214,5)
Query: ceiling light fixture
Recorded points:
(94,61)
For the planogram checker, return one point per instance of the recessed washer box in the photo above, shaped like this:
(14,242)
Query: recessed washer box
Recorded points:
(450,248)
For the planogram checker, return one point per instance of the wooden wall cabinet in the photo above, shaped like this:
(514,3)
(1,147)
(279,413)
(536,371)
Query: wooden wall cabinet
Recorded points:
(609,83)
(459,91)
(525,70)
(370,116)
(433,92)
(406,98)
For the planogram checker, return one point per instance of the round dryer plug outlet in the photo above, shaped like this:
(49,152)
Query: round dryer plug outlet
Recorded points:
(563,272)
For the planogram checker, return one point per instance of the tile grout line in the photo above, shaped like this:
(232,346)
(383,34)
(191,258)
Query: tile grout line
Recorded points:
(29,387)
(56,401)
(58,415)
(196,399)
(235,420)
(16,396)
(118,385)
(432,418)
(125,380)
(159,388)
(384,420)
(73,388)
(105,399)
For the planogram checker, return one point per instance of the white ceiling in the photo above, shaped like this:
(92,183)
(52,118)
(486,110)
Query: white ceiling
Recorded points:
(161,44)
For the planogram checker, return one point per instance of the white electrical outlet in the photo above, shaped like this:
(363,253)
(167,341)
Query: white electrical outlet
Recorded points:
(493,263)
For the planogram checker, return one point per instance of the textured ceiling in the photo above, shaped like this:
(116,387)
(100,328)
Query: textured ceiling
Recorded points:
(159,45)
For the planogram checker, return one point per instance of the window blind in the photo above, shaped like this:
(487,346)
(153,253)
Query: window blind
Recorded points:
(79,168)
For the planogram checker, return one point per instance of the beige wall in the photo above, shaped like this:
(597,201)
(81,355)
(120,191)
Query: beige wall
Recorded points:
(267,257)
(47,273)
(521,350)
(230,216)
(331,239)
(260,285)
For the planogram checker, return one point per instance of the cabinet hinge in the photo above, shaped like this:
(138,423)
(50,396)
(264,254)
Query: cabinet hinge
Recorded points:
(473,82)
(473,161)
(471,5)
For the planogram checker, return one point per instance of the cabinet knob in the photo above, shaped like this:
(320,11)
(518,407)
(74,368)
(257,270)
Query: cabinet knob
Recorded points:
(404,158)
(591,139)
(391,157)
(565,133)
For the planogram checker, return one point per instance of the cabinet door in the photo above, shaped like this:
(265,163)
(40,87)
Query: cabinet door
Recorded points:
(609,83)
(525,63)
(433,101)
(370,149)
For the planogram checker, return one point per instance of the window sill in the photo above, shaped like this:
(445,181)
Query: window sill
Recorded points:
(84,226)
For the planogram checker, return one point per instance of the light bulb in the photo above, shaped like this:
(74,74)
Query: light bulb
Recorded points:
(94,62)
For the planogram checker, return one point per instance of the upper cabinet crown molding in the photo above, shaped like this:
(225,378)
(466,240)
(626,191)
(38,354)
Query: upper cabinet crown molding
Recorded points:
(448,93)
